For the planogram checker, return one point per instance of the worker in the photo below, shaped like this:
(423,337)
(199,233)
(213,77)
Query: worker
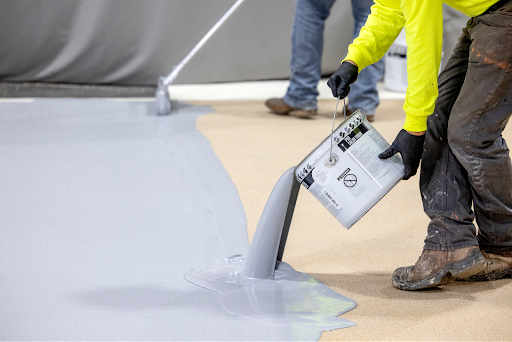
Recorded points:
(453,125)
(307,44)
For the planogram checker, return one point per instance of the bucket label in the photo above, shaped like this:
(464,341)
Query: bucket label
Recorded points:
(350,180)
(352,137)
(358,179)
(340,177)
(322,176)
(332,199)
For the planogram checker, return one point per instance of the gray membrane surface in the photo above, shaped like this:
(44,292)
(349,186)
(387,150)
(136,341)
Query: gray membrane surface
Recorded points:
(103,209)
(290,300)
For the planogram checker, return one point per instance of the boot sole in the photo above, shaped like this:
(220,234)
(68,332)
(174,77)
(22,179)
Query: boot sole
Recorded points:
(489,277)
(302,115)
(471,265)
(280,112)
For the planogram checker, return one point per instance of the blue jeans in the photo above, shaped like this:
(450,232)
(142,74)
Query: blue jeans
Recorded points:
(466,171)
(305,64)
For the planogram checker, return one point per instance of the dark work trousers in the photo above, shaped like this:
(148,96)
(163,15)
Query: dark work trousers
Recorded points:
(466,172)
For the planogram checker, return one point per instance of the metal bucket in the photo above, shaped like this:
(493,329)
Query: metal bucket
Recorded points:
(354,179)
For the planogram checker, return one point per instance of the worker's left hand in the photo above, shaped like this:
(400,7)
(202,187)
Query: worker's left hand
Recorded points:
(342,78)
(410,147)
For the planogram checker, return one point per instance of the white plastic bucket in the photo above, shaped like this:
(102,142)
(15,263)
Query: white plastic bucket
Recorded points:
(358,179)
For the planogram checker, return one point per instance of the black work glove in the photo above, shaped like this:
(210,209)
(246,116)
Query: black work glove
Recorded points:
(410,147)
(342,78)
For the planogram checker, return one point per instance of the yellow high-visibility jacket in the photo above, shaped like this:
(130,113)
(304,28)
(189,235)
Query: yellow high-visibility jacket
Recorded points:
(423,22)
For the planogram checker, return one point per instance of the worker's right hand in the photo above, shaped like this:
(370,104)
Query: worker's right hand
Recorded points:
(342,78)
(410,147)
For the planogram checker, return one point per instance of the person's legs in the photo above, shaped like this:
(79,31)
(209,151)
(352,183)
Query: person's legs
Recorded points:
(492,195)
(444,185)
(307,46)
(363,93)
(478,119)
(445,192)
(466,162)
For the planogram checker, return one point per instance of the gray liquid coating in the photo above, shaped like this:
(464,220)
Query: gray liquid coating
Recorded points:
(292,299)
(252,287)
(261,259)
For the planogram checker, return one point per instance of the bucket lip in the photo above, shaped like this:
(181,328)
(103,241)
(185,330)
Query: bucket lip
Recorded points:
(355,113)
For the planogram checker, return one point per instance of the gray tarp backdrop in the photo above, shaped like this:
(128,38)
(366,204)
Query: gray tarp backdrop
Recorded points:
(133,42)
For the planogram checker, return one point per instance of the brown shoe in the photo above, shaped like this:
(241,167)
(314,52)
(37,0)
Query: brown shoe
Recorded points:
(498,266)
(278,106)
(303,114)
(436,268)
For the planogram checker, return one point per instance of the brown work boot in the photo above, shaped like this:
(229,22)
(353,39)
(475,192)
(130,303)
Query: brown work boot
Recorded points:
(498,266)
(304,114)
(278,106)
(436,268)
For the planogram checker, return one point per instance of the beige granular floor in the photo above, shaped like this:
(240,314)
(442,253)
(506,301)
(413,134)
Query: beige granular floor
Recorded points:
(256,147)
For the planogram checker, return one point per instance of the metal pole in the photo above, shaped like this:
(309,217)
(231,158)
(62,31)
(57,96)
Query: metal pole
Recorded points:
(169,79)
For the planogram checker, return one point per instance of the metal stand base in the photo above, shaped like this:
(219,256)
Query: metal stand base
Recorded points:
(162,98)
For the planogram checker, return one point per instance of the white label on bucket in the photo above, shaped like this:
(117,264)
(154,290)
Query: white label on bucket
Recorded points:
(358,179)
(322,176)
(358,189)
(354,185)
(331,199)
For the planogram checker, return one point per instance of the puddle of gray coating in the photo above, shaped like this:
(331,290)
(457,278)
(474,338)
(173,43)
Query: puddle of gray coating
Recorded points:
(292,298)
(252,287)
